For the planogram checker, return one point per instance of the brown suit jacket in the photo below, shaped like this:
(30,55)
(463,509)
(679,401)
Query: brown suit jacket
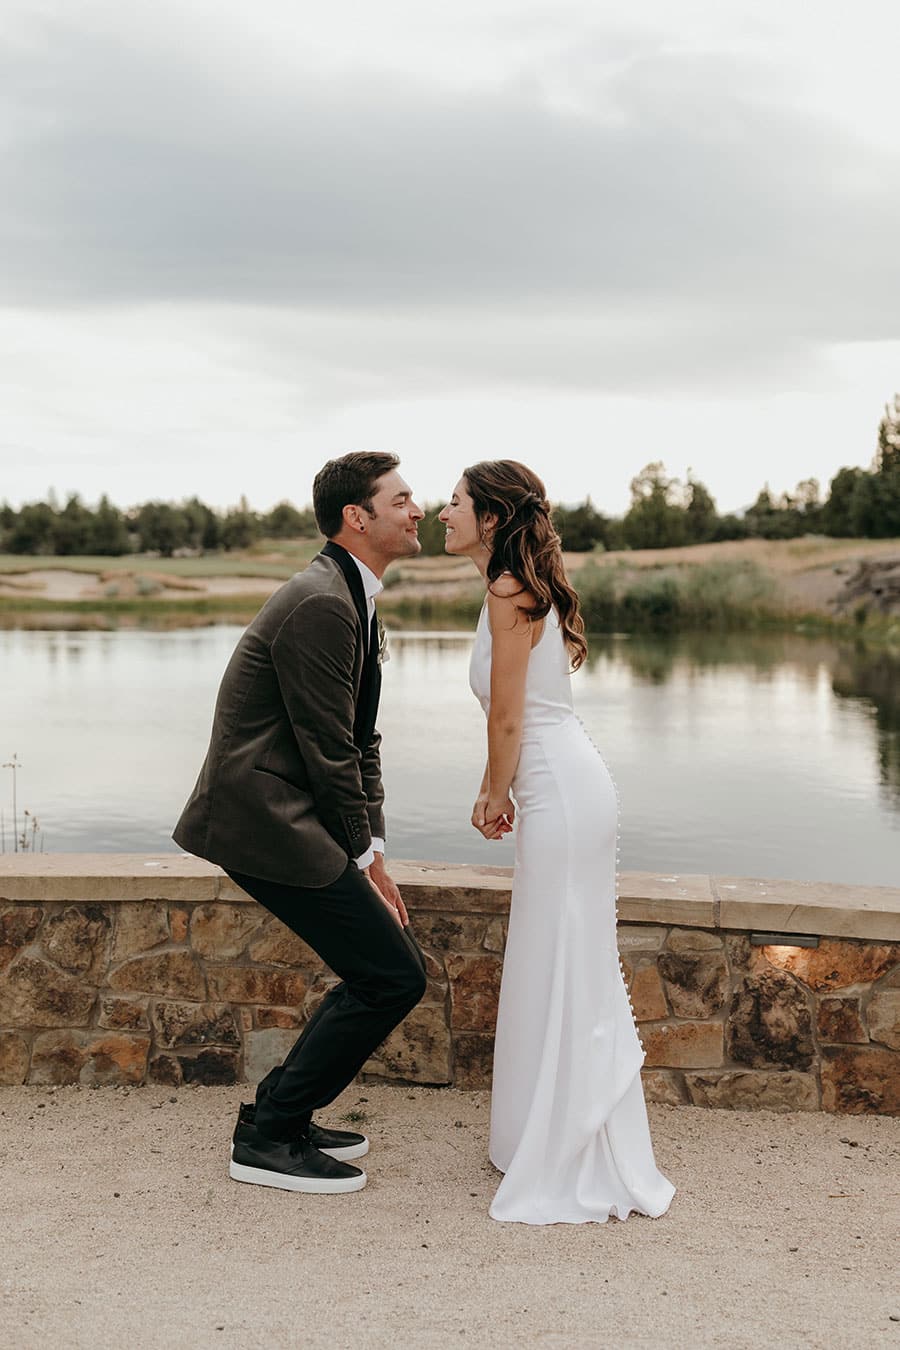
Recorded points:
(287,791)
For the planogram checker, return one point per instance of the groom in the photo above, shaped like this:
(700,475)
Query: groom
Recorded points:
(289,803)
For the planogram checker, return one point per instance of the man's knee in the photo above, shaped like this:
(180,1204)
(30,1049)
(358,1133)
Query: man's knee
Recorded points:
(405,986)
(415,984)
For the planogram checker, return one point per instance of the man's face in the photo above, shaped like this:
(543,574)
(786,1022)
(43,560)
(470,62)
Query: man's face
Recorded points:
(393,526)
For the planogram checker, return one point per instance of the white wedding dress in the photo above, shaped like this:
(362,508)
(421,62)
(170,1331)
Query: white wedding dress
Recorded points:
(568,1121)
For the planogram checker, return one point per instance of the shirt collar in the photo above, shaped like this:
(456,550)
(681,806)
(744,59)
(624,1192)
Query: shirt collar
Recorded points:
(371,584)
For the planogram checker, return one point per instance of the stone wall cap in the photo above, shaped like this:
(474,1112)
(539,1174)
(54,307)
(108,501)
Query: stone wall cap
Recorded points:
(827,908)
(687,900)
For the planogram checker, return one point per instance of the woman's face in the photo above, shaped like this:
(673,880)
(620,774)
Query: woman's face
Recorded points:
(463,532)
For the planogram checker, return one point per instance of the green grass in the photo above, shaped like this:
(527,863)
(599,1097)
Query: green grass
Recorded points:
(294,554)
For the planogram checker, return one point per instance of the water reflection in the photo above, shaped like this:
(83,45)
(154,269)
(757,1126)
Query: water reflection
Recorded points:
(766,755)
(874,680)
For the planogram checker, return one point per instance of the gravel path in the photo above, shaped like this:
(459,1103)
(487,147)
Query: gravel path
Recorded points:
(120,1227)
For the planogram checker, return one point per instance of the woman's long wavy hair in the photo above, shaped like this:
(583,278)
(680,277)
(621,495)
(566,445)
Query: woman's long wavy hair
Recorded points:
(525,543)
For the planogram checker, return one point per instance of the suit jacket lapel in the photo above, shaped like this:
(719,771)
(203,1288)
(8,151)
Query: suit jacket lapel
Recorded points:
(370,686)
(353,580)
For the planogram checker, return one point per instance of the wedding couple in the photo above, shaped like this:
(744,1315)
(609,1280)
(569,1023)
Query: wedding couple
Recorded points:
(290,803)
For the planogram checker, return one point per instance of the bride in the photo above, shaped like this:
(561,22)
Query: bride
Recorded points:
(568,1122)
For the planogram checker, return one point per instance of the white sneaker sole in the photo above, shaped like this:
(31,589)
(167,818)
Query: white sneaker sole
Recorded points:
(346,1154)
(283,1181)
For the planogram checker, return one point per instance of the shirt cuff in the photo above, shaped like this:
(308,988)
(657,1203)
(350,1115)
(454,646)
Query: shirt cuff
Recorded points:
(377,844)
(365,859)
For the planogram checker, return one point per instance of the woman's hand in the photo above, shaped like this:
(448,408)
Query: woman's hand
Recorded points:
(478,816)
(499,817)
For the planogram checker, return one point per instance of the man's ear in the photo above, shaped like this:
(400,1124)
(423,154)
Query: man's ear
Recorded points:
(354,518)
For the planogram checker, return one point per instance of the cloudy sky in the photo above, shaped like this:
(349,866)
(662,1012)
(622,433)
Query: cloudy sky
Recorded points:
(238,239)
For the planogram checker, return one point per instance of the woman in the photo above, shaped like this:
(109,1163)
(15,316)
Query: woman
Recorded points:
(568,1121)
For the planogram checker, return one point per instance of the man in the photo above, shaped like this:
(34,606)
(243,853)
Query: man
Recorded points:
(289,803)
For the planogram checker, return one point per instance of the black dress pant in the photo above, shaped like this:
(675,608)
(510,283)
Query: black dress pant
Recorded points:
(382,974)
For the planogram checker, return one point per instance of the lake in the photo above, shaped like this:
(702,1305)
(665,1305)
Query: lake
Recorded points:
(754,755)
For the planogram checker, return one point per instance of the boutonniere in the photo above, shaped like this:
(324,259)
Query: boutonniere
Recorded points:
(383,653)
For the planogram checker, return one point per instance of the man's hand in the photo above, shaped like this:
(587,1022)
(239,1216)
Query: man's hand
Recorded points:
(388,890)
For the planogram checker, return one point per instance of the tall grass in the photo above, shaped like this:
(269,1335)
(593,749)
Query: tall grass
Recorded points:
(704,596)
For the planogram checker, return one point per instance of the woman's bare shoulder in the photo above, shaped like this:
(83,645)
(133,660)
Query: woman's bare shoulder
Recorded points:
(507,587)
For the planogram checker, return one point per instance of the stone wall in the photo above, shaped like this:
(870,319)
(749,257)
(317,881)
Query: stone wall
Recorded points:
(123,969)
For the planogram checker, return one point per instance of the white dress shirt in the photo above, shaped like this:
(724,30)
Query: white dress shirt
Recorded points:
(371,587)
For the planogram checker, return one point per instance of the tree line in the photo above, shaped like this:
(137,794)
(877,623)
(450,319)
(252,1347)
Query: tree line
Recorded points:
(664,513)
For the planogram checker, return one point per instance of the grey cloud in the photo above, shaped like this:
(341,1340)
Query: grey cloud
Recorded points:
(703,220)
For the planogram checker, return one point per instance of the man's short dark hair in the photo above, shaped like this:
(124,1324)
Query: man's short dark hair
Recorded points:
(348,481)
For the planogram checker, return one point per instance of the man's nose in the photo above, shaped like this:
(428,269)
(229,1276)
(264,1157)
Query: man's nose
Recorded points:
(416,511)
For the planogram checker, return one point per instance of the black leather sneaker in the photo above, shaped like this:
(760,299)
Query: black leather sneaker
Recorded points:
(344,1145)
(291,1165)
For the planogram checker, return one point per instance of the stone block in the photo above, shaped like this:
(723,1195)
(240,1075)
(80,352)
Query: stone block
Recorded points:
(181,1024)
(436,992)
(107,877)
(838,1019)
(647,998)
(769,1022)
(693,1045)
(474,991)
(249,984)
(867,912)
(221,932)
(883,1016)
(179,921)
(89,1057)
(664,1087)
(473,1061)
(860,1079)
(35,994)
(276,945)
(123,1014)
(455,887)
(165,1069)
(739,952)
(211,1068)
(754,1090)
(174,973)
(639,937)
(77,938)
(140,927)
(434,966)
(285,1018)
(693,940)
(14,1059)
(494,939)
(835,964)
(18,926)
(264,1049)
(417,1051)
(320,987)
(696,982)
(451,932)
